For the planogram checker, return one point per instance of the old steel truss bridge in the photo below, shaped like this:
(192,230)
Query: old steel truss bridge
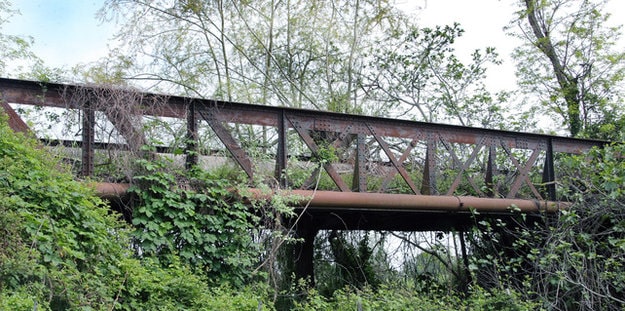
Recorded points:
(380,173)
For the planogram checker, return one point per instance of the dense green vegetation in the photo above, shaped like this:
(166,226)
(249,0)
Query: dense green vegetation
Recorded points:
(191,214)
(63,249)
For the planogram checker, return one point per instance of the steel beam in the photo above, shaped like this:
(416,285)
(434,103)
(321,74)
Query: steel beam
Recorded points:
(240,156)
(191,146)
(88,140)
(549,175)
(60,95)
(15,122)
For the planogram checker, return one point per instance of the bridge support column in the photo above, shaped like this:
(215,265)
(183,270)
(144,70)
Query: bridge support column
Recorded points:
(549,175)
(191,149)
(88,139)
(304,251)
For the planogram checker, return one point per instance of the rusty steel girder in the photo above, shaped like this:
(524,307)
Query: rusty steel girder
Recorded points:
(377,150)
(15,122)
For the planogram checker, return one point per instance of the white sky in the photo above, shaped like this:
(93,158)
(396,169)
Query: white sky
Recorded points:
(67,32)
(483,22)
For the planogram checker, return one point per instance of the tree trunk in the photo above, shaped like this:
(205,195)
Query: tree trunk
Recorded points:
(569,87)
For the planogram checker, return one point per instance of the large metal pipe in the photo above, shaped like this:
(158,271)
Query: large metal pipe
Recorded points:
(109,191)
(382,201)
(378,201)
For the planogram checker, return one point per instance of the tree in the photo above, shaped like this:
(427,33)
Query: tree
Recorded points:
(570,64)
(416,69)
(292,53)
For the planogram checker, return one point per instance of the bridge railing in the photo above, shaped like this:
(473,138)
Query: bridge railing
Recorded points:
(351,153)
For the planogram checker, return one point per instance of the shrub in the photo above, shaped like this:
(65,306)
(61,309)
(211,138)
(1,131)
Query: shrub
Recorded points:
(390,298)
(61,248)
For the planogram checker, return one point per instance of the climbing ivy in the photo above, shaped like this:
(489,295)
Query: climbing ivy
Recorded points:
(193,214)
(62,248)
